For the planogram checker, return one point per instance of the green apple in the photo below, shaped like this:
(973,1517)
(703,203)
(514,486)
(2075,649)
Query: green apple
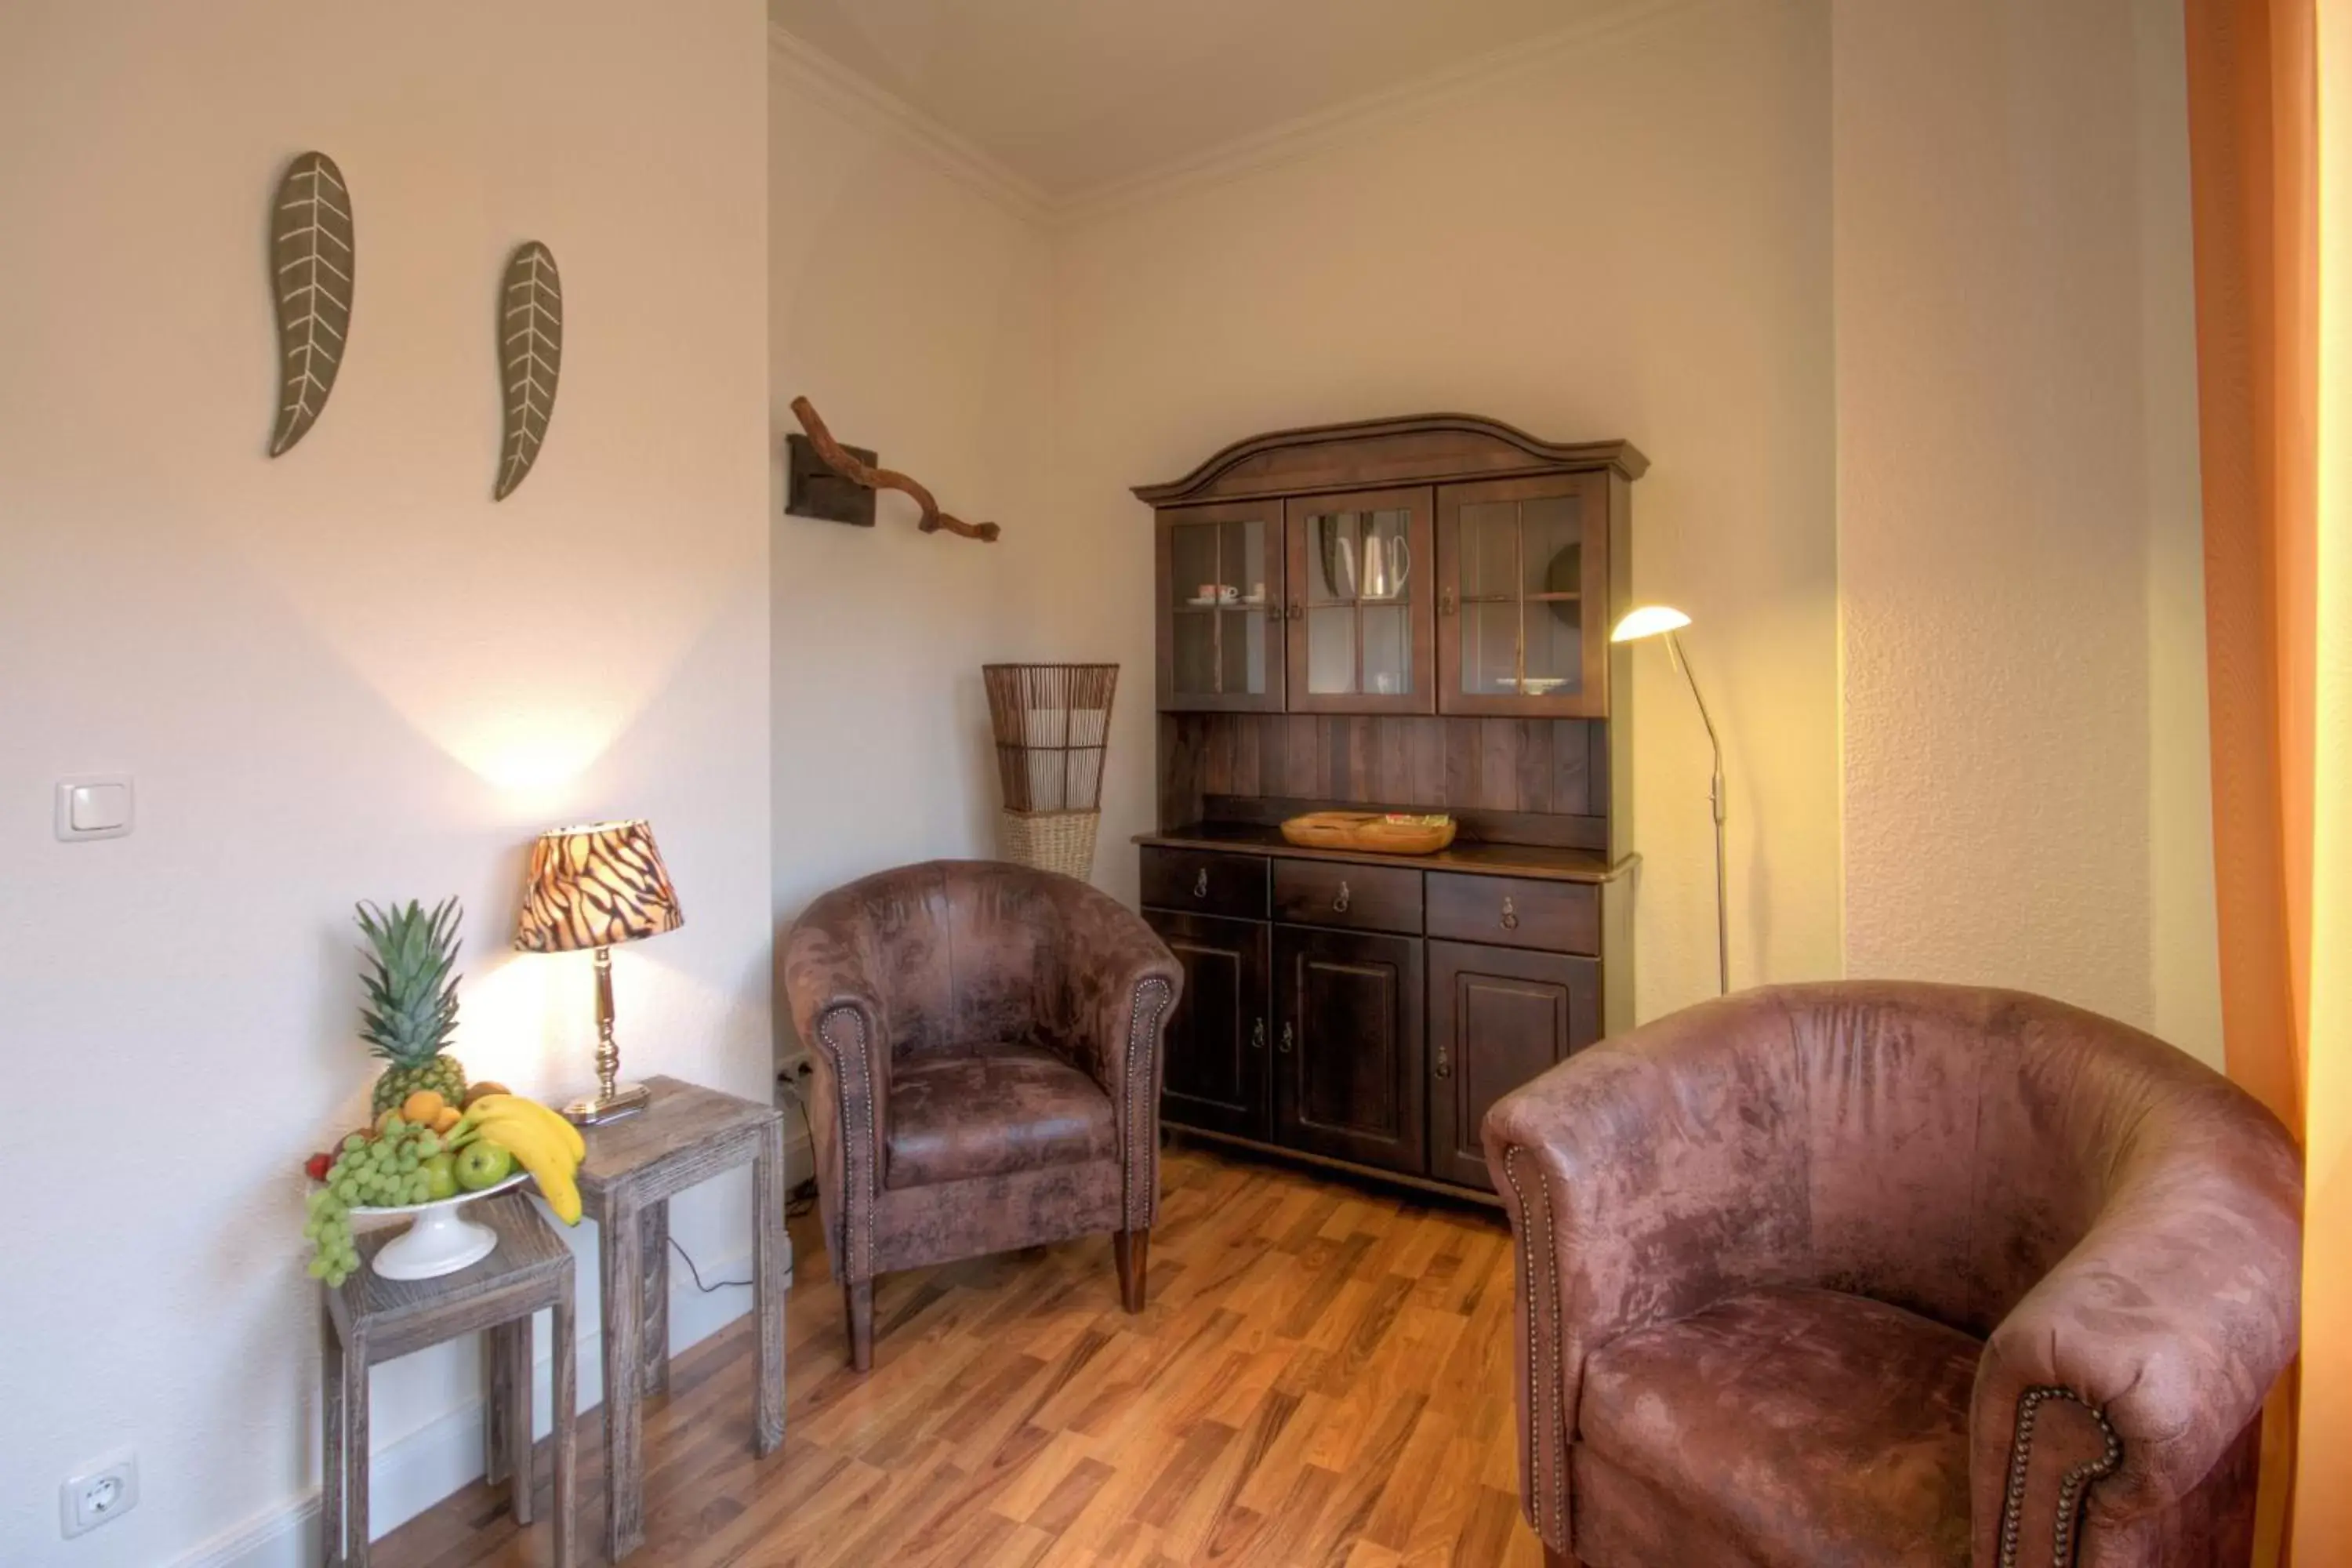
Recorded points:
(440,1176)
(483,1163)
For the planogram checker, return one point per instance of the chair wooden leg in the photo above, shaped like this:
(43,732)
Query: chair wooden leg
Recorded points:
(857,1296)
(1133,1249)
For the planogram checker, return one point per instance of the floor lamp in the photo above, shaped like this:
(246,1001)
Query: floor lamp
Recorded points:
(1654,620)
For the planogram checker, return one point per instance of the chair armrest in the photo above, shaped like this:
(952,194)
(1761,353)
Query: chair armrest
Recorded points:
(1645,1178)
(1117,984)
(838,1013)
(2160,1334)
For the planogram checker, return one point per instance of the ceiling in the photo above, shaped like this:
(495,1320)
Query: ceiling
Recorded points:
(1074,97)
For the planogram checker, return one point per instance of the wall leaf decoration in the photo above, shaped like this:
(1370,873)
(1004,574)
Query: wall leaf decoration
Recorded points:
(310,261)
(530,356)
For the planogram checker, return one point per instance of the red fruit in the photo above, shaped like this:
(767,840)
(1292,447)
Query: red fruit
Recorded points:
(317,1166)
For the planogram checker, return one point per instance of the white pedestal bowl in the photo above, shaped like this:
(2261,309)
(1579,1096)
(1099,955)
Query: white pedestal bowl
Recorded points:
(441,1240)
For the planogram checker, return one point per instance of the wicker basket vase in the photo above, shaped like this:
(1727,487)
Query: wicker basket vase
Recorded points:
(1052,724)
(1060,841)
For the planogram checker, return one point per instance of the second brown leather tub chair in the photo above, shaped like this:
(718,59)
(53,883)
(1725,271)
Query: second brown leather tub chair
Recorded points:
(986,1041)
(1874,1275)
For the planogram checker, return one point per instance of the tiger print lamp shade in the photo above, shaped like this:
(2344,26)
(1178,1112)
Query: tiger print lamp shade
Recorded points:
(595,886)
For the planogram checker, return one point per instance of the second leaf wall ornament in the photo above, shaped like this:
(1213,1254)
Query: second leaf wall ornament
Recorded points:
(311,263)
(530,357)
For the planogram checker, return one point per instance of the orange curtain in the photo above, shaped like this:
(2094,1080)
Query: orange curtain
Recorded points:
(2254,159)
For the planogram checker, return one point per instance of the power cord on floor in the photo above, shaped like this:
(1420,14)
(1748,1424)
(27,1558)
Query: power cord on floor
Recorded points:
(802,1198)
(707,1289)
(797,1202)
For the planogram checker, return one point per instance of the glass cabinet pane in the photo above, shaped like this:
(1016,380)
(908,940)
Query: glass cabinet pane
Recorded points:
(1553,531)
(1358,595)
(1217,585)
(1521,565)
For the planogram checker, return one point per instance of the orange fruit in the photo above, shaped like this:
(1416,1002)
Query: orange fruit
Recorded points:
(424,1108)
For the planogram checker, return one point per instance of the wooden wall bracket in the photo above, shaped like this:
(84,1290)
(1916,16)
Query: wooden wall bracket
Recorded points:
(826,480)
(812,489)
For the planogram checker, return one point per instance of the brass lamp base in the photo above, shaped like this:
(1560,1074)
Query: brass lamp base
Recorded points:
(613,1099)
(625,1100)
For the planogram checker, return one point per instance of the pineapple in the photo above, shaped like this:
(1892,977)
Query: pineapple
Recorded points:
(411,1000)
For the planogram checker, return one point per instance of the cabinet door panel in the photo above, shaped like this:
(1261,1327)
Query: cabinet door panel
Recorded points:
(1498,1017)
(1349,1074)
(1213,1065)
(1360,569)
(1522,597)
(1220,615)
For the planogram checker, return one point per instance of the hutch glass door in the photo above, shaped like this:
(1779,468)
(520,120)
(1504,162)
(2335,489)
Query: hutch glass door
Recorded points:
(1221,606)
(1360,568)
(1522,597)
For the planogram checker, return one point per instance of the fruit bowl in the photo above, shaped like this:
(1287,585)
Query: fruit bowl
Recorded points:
(441,1240)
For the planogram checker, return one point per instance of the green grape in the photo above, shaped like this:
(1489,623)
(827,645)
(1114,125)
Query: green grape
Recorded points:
(353,1145)
(428,1143)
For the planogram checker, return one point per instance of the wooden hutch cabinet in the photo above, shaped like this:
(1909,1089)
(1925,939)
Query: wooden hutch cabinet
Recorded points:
(1408,615)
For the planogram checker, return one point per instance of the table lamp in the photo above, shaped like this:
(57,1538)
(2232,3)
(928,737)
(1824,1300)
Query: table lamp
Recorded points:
(591,887)
(1654,620)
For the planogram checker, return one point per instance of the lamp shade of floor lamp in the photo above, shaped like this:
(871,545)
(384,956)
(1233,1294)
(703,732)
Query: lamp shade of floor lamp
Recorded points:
(1662,620)
(589,887)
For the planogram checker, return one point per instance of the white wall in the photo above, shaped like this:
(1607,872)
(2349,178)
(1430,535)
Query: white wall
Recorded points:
(1626,236)
(344,673)
(912,309)
(2026,799)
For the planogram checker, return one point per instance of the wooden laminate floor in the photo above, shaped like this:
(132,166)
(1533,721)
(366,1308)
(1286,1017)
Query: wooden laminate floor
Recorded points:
(1322,1377)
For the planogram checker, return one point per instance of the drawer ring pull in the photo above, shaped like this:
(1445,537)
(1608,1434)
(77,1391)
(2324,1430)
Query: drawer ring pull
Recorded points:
(1340,903)
(1445,1063)
(1201,884)
(1510,916)
(1257,1035)
(1286,1041)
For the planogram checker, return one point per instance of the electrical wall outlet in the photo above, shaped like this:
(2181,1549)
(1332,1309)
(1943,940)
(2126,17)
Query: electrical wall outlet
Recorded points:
(100,1495)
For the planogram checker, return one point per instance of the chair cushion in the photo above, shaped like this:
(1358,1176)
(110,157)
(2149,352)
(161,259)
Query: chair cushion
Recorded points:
(1004,1108)
(1816,1429)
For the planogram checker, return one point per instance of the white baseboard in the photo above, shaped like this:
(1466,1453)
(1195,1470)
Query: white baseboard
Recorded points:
(411,1475)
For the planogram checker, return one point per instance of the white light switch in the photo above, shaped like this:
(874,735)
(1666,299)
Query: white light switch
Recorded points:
(96,805)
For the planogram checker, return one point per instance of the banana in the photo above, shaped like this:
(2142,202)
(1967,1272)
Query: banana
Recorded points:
(513,1107)
(542,1142)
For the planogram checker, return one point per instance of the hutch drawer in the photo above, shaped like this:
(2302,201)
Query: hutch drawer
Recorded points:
(1360,897)
(1515,911)
(1203,882)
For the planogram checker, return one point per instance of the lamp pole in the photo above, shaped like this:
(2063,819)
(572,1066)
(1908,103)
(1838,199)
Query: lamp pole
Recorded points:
(1715,801)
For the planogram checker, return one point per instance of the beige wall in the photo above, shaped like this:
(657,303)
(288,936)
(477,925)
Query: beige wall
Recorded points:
(2025,791)
(344,673)
(912,311)
(1625,238)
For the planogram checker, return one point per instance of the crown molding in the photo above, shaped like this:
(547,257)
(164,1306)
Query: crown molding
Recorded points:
(868,105)
(864,102)
(1294,140)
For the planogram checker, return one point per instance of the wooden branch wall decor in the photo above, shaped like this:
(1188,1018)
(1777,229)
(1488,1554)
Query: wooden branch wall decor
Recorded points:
(530,357)
(311,263)
(846,464)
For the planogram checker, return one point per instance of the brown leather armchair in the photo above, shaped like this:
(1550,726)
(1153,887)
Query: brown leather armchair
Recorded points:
(986,1042)
(1893,1274)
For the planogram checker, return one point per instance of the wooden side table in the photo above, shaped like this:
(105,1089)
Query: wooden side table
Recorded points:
(369,1318)
(635,1167)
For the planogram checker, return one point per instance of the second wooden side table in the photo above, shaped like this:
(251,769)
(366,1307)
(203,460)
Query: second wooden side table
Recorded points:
(635,1167)
(369,1318)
